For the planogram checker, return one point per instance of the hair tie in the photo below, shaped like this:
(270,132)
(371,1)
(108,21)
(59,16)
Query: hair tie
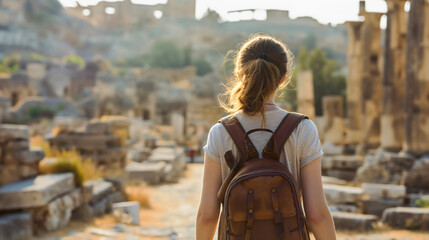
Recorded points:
(263,56)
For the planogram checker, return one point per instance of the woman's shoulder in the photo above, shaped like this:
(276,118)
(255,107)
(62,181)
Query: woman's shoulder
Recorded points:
(306,127)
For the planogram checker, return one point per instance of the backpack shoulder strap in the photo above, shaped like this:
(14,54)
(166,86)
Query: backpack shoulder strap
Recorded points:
(281,135)
(238,135)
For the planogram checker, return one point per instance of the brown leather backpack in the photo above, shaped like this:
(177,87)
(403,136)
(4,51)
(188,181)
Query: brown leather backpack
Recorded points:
(260,198)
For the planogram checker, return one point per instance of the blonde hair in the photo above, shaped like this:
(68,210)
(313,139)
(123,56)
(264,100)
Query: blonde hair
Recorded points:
(259,65)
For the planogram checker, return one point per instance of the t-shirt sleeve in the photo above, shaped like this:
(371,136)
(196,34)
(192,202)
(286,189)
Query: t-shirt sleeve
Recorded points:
(212,148)
(309,143)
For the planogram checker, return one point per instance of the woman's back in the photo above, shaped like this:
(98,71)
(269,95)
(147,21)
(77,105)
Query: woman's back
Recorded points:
(301,148)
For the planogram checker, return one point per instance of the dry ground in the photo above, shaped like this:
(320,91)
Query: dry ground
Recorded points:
(173,207)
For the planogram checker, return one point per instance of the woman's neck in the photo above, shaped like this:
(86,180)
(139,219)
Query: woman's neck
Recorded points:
(270,104)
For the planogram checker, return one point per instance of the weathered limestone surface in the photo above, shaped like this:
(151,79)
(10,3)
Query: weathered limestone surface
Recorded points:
(371,79)
(407,217)
(305,94)
(353,221)
(10,131)
(392,118)
(341,166)
(35,192)
(17,160)
(150,172)
(16,226)
(385,167)
(58,212)
(127,212)
(175,159)
(354,83)
(418,177)
(333,129)
(377,206)
(101,141)
(332,180)
(378,191)
(417,80)
(342,162)
(342,194)
(100,189)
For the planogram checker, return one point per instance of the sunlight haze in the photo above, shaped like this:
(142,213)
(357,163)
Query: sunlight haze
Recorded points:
(328,11)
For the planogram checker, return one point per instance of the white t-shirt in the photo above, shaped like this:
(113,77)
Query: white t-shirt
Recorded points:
(302,147)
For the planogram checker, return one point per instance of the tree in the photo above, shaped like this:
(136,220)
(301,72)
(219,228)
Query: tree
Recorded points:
(327,79)
(203,66)
(166,54)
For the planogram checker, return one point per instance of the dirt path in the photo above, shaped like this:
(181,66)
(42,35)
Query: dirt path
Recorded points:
(172,216)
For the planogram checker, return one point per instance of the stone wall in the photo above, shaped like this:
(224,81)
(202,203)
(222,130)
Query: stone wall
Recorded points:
(100,141)
(17,160)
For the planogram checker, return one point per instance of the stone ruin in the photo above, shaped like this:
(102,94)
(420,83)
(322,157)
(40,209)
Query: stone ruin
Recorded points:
(31,204)
(164,163)
(101,141)
(381,147)
(17,160)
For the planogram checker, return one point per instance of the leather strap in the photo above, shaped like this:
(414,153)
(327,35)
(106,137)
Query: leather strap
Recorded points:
(250,215)
(242,141)
(282,134)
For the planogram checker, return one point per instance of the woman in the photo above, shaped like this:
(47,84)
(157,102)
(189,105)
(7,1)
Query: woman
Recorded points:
(263,66)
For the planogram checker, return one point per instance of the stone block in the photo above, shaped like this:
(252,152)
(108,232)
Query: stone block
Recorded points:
(85,142)
(379,191)
(418,177)
(26,157)
(127,212)
(9,173)
(353,221)
(99,128)
(28,170)
(105,205)
(16,226)
(166,144)
(344,174)
(384,167)
(333,180)
(17,145)
(377,206)
(331,149)
(169,174)
(100,189)
(407,217)
(342,194)
(11,132)
(352,162)
(139,155)
(57,213)
(35,192)
(350,208)
(117,184)
(150,172)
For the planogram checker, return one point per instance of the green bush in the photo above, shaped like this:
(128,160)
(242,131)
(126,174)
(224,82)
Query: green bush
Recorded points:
(422,203)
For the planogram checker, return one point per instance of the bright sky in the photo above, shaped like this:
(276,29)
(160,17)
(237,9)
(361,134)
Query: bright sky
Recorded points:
(325,11)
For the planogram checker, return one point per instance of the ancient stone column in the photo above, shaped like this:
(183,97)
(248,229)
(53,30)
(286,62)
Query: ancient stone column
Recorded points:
(305,94)
(354,83)
(371,79)
(417,80)
(333,129)
(392,116)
